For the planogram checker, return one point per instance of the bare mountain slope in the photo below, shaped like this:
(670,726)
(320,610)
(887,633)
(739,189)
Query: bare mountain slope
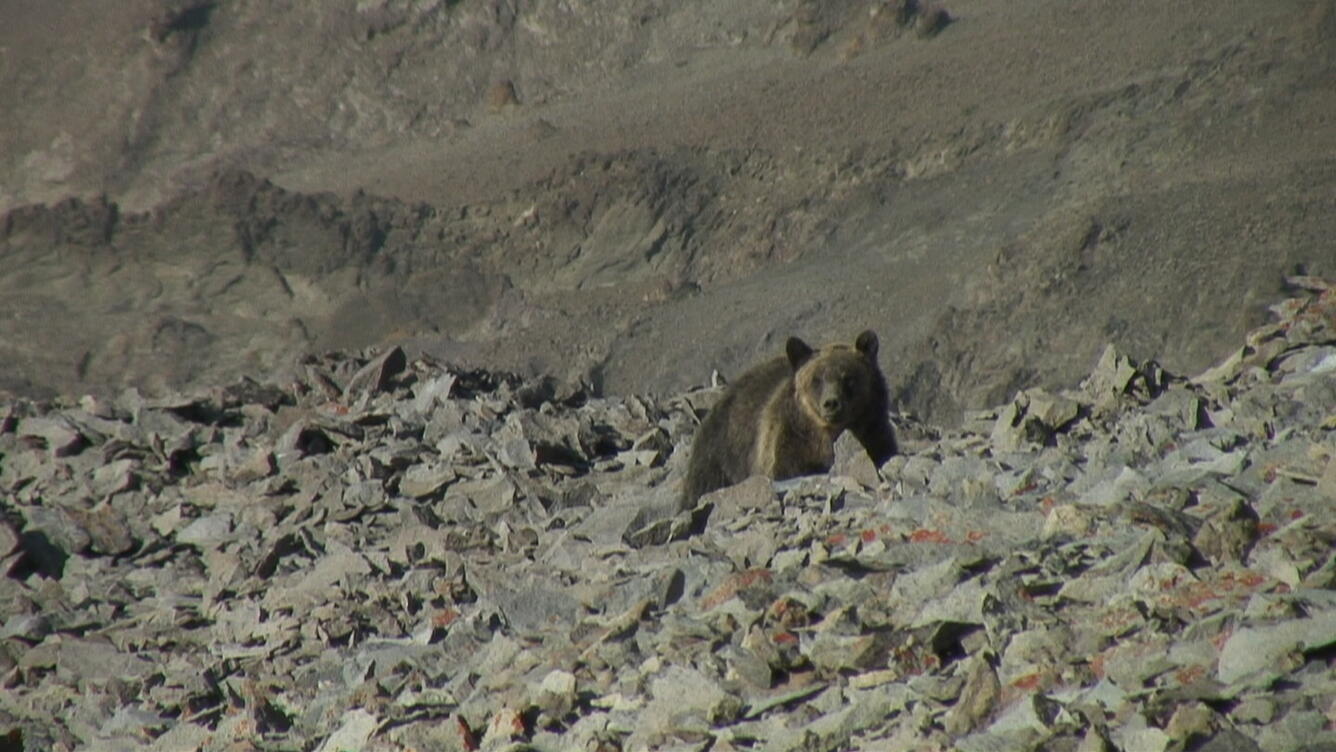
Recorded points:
(673,188)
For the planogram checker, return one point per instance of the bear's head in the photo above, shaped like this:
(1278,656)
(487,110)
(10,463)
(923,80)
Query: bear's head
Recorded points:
(839,384)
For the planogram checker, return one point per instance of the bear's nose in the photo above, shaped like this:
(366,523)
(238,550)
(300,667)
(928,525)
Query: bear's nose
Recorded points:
(831,404)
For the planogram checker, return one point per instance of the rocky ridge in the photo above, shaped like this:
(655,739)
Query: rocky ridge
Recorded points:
(386,554)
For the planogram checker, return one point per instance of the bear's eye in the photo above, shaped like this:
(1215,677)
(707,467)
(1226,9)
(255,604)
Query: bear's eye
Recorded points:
(849,382)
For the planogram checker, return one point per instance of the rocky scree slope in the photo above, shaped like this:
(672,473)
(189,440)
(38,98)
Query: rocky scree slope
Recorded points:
(384,554)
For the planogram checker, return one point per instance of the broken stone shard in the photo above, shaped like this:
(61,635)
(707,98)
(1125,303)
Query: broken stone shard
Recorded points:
(374,377)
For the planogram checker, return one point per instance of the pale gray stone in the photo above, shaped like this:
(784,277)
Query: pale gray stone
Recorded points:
(1259,652)
(57,434)
(113,477)
(421,481)
(683,700)
(355,728)
(210,530)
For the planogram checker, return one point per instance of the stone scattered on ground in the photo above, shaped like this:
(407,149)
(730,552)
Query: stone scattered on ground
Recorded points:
(386,554)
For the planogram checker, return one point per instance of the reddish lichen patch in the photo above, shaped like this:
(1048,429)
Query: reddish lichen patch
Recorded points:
(1115,621)
(1097,665)
(1029,682)
(1212,594)
(914,659)
(788,613)
(334,408)
(444,617)
(467,739)
(1190,674)
(924,535)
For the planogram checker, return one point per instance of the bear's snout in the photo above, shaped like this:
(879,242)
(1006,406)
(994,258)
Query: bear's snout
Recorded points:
(832,403)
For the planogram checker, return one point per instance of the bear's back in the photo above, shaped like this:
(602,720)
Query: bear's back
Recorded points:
(723,450)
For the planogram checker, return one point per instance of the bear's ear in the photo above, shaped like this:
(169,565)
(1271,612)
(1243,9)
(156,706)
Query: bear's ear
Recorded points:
(798,352)
(867,344)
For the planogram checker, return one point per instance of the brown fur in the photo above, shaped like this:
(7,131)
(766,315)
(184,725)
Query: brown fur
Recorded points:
(781,419)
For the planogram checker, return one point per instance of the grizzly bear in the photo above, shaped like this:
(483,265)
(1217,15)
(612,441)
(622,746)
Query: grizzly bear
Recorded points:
(781,419)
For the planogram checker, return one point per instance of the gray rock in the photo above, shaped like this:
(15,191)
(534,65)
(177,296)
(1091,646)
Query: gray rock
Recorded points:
(1305,730)
(836,652)
(302,439)
(355,728)
(9,538)
(1053,411)
(1227,533)
(257,465)
(56,433)
(1115,485)
(833,730)
(967,478)
(422,481)
(536,609)
(1068,521)
(746,665)
(1035,651)
(1110,379)
(375,376)
(491,496)
(964,604)
(1142,737)
(1228,740)
(208,531)
(429,393)
(29,627)
(56,528)
(611,524)
(1260,653)
(1016,428)
(1259,710)
(978,698)
(1034,713)
(852,461)
(682,701)
(756,492)
(1181,405)
(113,478)
(99,662)
(107,531)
